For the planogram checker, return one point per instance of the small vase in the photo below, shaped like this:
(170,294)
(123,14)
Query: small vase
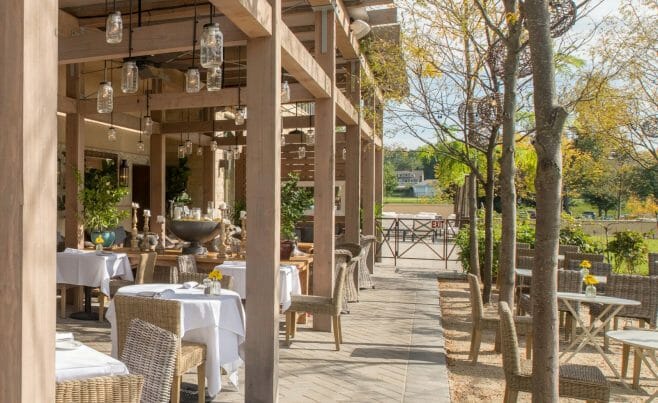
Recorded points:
(585,271)
(216,288)
(590,291)
(99,247)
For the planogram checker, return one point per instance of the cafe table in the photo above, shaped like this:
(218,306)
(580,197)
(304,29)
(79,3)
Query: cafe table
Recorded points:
(91,269)
(75,360)
(612,306)
(644,343)
(218,321)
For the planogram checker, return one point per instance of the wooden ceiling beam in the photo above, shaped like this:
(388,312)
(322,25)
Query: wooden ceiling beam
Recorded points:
(253,17)
(289,122)
(299,62)
(120,120)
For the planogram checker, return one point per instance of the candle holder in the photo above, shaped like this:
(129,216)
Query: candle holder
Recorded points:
(147,219)
(221,248)
(243,243)
(162,243)
(134,243)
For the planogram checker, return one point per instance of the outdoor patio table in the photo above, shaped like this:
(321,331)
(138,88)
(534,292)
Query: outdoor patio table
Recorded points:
(289,283)
(85,362)
(91,269)
(218,321)
(612,307)
(645,344)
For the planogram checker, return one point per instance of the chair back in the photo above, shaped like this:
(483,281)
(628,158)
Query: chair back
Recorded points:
(162,313)
(525,252)
(525,262)
(103,389)
(150,351)
(570,281)
(146,268)
(356,250)
(601,269)
(187,264)
(477,307)
(562,249)
(639,288)
(342,258)
(572,260)
(522,245)
(366,243)
(509,342)
(653,264)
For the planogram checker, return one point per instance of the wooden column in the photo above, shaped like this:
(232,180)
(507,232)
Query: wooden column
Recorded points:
(241,176)
(28,199)
(353,162)
(325,170)
(158,159)
(368,194)
(264,210)
(379,193)
(210,178)
(75,161)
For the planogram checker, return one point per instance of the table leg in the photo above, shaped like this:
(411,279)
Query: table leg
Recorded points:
(87,314)
(637,364)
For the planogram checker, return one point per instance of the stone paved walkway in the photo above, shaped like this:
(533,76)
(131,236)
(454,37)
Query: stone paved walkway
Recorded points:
(392,351)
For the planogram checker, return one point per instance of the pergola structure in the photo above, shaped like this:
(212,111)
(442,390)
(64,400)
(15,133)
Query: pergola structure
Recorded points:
(51,50)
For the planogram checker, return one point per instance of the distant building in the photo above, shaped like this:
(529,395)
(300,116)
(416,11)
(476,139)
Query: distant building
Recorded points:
(409,178)
(425,188)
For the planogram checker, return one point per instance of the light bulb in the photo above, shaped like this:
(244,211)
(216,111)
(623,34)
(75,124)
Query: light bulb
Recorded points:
(229,155)
(283,139)
(105,98)
(301,152)
(129,77)
(239,117)
(285,92)
(310,137)
(199,150)
(212,46)
(214,79)
(188,146)
(192,81)
(114,28)
(148,125)
(111,134)
(344,154)
(140,145)
(213,146)
(236,155)
(181,151)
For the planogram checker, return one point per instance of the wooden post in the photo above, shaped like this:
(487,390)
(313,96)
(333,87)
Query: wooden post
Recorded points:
(28,196)
(241,176)
(353,162)
(210,179)
(75,161)
(379,194)
(157,182)
(368,194)
(264,209)
(325,170)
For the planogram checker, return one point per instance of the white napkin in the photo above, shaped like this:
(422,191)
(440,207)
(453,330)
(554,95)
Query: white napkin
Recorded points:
(59,336)
(168,293)
(190,284)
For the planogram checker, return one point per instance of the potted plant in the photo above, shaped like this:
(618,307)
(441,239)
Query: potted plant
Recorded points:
(294,201)
(100,199)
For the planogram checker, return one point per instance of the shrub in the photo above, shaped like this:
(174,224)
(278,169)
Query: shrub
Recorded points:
(628,251)
(572,234)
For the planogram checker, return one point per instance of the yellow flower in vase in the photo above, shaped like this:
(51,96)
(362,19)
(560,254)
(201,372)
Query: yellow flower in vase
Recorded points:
(585,264)
(99,242)
(215,275)
(590,280)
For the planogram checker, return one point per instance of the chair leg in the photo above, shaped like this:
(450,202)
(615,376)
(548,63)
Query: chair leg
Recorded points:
(625,349)
(340,330)
(62,302)
(175,389)
(605,336)
(476,339)
(294,325)
(336,332)
(288,326)
(510,395)
(637,365)
(528,345)
(642,323)
(201,382)
(101,306)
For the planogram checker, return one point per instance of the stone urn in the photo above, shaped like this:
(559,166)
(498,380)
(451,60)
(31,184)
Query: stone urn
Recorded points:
(196,233)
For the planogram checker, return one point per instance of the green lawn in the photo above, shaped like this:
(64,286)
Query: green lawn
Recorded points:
(408,200)
(652,245)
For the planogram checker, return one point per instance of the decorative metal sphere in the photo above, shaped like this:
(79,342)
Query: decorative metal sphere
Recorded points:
(563,16)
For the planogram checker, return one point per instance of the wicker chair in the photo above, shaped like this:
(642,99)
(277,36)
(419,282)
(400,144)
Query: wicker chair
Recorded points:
(150,351)
(601,269)
(525,252)
(187,264)
(145,270)
(522,245)
(572,260)
(322,305)
(165,314)
(482,322)
(564,249)
(639,288)
(653,264)
(351,277)
(226,281)
(101,389)
(525,262)
(576,381)
(365,279)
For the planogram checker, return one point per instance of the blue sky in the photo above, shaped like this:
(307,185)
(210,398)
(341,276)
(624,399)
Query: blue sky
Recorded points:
(605,9)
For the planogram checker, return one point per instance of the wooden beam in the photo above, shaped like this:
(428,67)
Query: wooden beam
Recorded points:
(289,122)
(90,44)
(345,110)
(263,213)
(253,17)
(325,170)
(297,61)
(28,194)
(157,182)
(383,16)
(353,165)
(210,176)
(368,193)
(67,104)
(75,161)
(120,120)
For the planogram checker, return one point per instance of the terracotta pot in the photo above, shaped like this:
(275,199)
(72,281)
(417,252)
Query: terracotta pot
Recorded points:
(287,247)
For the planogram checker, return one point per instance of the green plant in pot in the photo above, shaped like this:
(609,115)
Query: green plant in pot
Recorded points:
(294,201)
(100,199)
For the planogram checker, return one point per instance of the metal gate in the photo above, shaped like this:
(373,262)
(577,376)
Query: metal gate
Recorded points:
(418,238)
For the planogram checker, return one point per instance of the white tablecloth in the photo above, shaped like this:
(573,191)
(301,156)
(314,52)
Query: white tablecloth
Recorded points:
(288,280)
(217,321)
(91,268)
(85,362)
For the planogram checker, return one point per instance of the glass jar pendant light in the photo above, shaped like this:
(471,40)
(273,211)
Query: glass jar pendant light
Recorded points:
(310,137)
(105,99)
(188,145)
(192,76)
(239,116)
(129,71)
(214,79)
(301,152)
(181,147)
(140,143)
(199,149)
(212,45)
(114,27)
(148,121)
(344,154)
(111,134)
(213,146)
(285,92)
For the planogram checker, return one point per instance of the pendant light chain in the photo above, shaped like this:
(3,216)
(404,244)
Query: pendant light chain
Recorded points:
(194,35)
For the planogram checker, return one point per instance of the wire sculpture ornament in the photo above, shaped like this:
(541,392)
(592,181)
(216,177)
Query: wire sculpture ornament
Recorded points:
(496,58)
(563,16)
(487,113)
(649,127)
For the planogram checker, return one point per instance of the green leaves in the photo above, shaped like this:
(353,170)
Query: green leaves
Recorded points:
(100,199)
(628,250)
(294,200)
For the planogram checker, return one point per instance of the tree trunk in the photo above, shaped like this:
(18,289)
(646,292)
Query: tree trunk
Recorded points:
(474,260)
(488,230)
(549,121)
(507,258)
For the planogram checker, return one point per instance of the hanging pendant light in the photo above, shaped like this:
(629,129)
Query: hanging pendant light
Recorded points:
(285,92)
(130,72)
(105,99)
(283,139)
(111,134)
(240,113)
(199,149)
(148,122)
(181,147)
(301,152)
(192,76)
(124,171)
(188,145)
(212,44)
(344,154)
(239,116)
(213,146)
(310,133)
(113,25)
(213,143)
(140,143)
(214,79)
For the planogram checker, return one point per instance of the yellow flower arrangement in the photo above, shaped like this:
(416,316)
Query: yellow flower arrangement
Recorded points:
(99,240)
(590,280)
(585,264)
(215,275)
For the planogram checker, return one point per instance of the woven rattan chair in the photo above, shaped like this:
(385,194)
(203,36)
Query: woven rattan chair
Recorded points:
(572,260)
(226,281)
(145,270)
(576,381)
(151,351)
(167,315)
(525,252)
(322,305)
(525,262)
(601,269)
(351,277)
(653,264)
(564,249)
(187,264)
(101,389)
(522,245)
(481,321)
(365,278)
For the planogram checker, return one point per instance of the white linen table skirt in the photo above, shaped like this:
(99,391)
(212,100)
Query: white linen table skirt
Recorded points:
(85,362)
(91,268)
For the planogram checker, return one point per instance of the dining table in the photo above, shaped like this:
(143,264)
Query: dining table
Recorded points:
(644,344)
(91,269)
(218,321)
(74,360)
